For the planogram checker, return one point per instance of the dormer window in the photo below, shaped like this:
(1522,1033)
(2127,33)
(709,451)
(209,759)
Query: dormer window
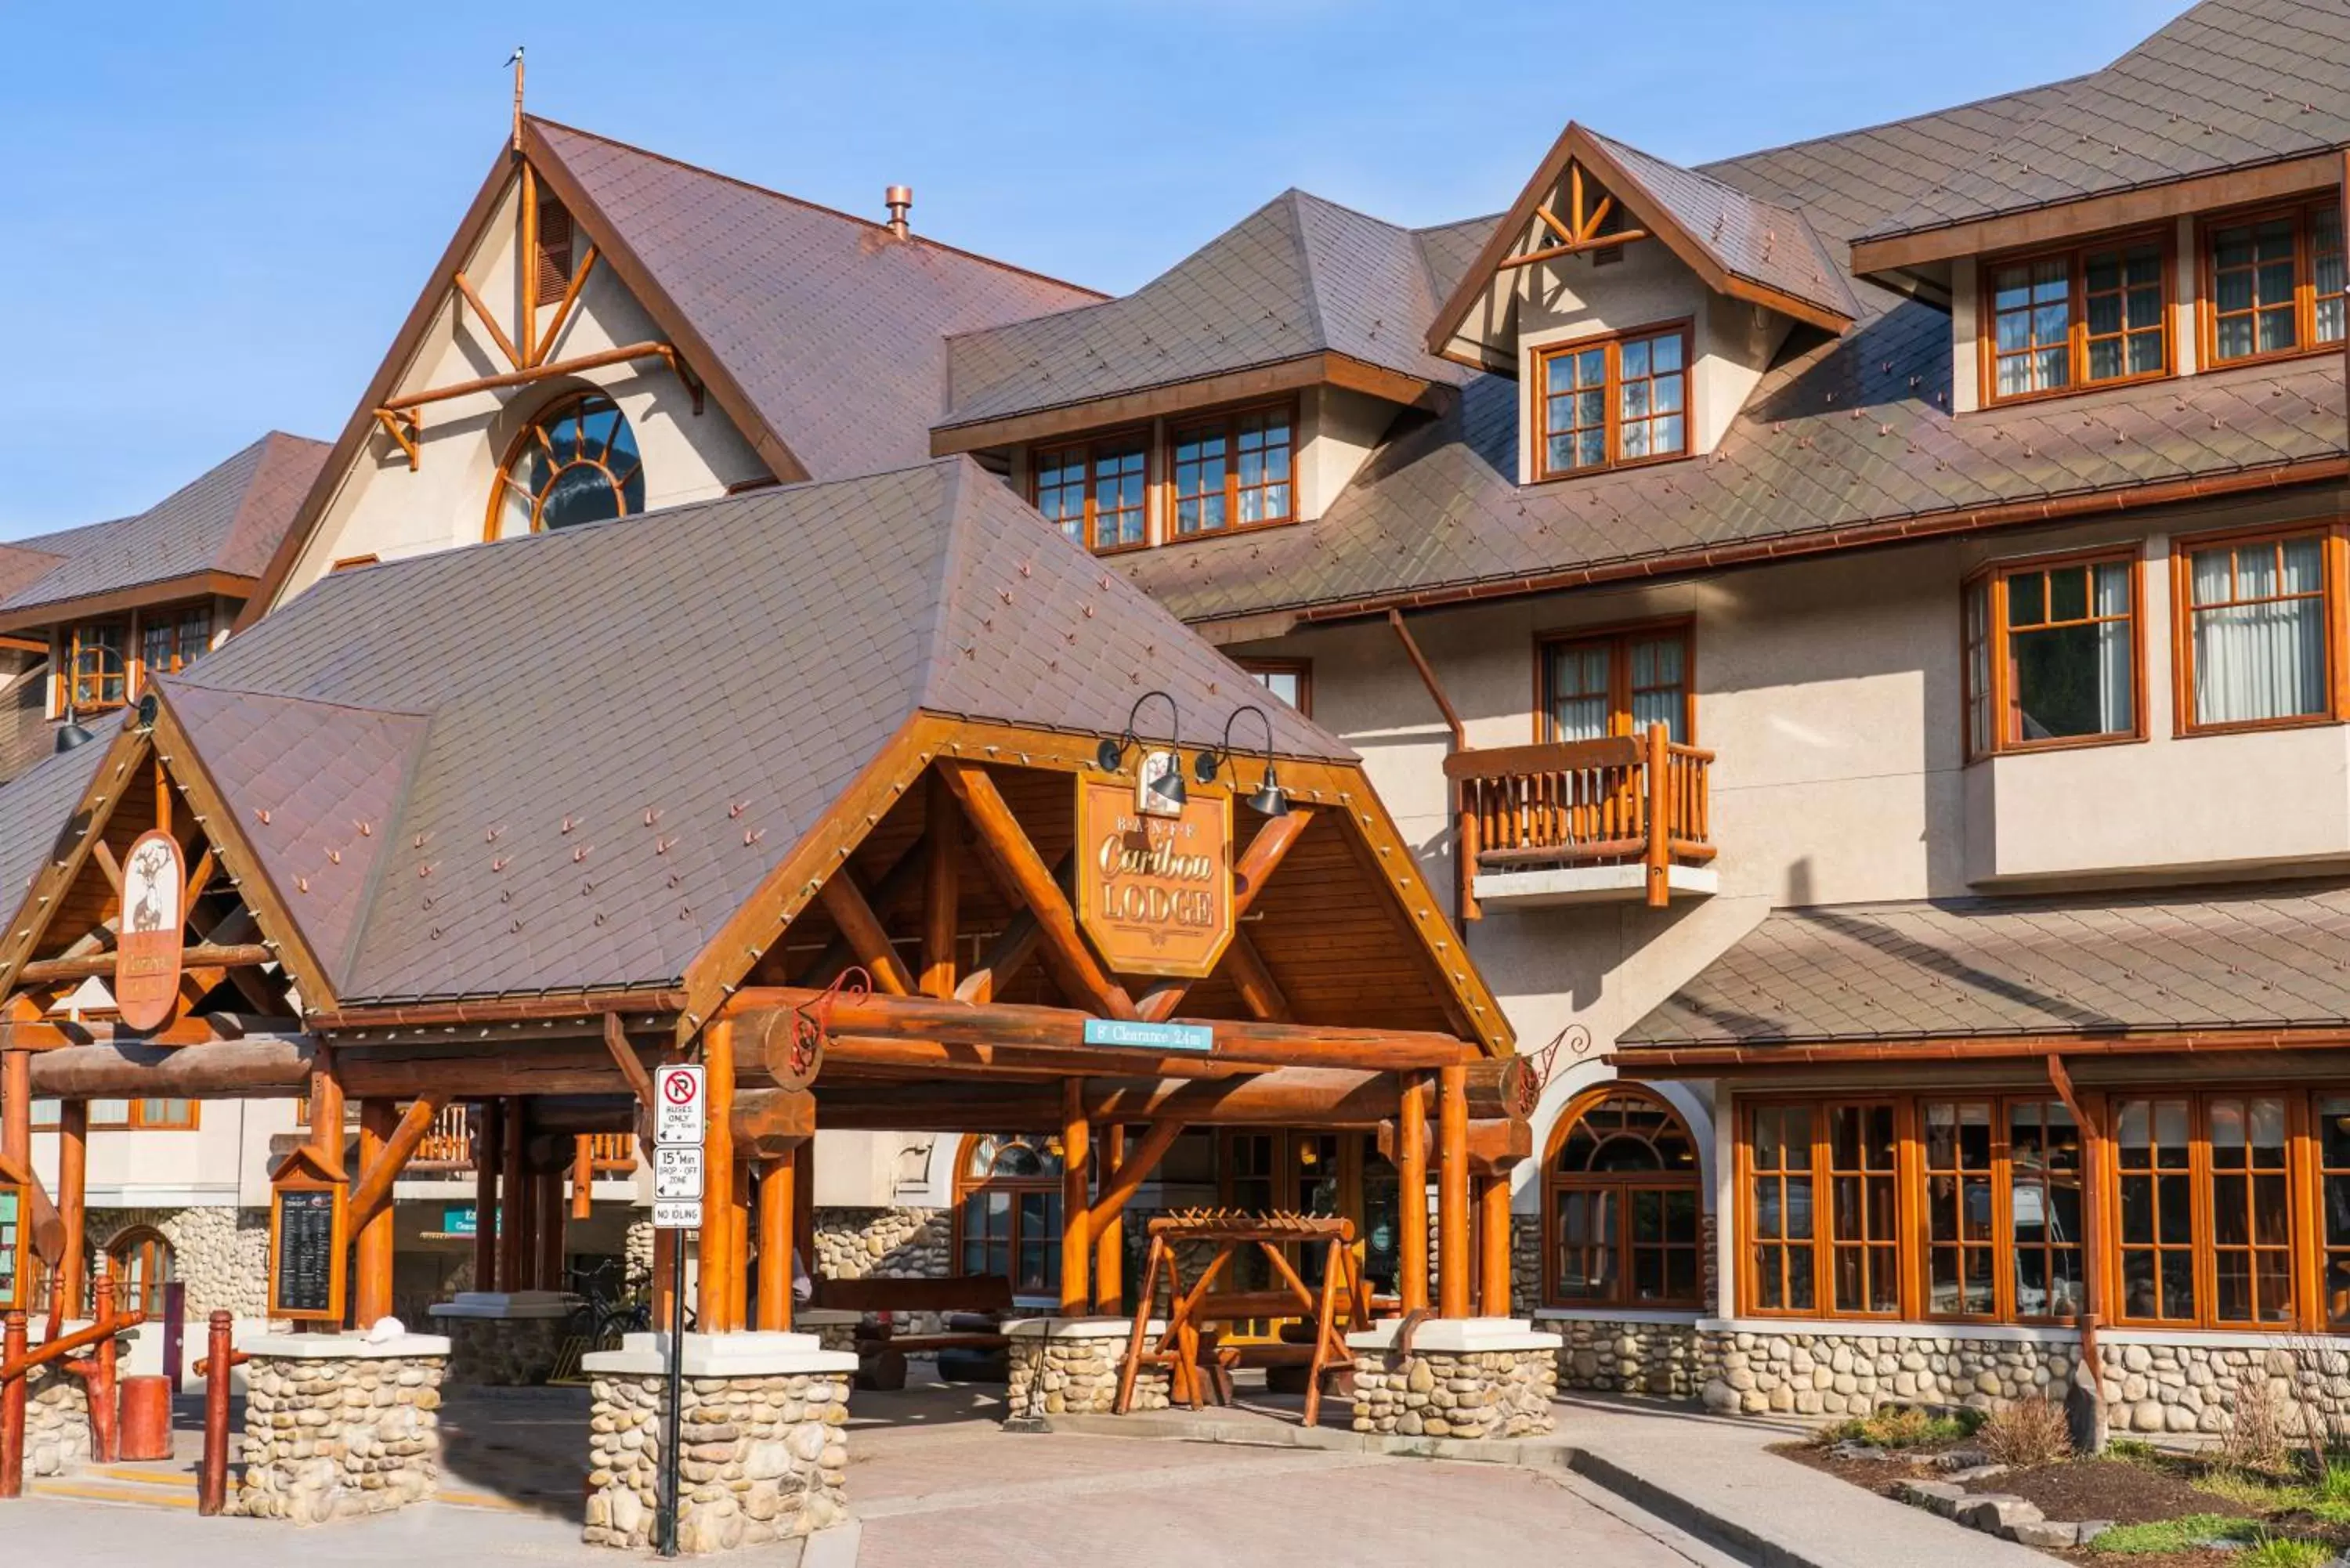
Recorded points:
(1096,491)
(2088,318)
(1233,471)
(2276,284)
(1615,401)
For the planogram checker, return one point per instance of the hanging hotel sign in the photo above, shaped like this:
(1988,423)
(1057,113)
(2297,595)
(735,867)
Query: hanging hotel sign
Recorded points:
(1155,892)
(146,961)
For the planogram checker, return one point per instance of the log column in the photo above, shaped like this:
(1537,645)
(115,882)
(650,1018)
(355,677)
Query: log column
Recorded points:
(1493,1246)
(803,1204)
(775,1221)
(371,1295)
(1452,1191)
(1109,1240)
(1076,1243)
(489,1120)
(514,1202)
(550,1228)
(721,1247)
(1411,1185)
(73,1201)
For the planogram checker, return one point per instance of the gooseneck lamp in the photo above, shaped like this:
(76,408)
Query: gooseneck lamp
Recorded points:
(1269,798)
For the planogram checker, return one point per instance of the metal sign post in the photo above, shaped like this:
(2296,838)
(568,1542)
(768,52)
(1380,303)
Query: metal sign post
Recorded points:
(680,1129)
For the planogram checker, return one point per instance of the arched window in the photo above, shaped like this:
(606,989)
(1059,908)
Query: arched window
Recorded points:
(1008,1210)
(575,462)
(1621,1204)
(141,1261)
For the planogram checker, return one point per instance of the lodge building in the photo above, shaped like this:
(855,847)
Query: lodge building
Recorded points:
(1855,639)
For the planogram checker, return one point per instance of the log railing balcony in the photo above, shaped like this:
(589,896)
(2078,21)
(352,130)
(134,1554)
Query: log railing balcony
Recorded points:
(612,1153)
(1576,821)
(448,1149)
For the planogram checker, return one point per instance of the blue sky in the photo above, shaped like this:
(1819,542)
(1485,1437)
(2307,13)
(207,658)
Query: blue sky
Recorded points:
(216,214)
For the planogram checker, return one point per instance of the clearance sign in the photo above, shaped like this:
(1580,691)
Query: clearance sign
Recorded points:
(1154,893)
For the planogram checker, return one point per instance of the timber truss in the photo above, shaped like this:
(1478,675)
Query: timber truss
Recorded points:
(1577,215)
(529,349)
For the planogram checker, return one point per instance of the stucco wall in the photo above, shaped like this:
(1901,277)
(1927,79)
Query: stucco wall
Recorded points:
(383,509)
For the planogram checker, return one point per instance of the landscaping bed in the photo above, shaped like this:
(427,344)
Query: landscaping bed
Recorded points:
(2135,1507)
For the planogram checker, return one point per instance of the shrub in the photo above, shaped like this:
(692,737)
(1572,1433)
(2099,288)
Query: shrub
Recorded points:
(2132,1450)
(2277,1551)
(1896,1427)
(2027,1432)
(2255,1439)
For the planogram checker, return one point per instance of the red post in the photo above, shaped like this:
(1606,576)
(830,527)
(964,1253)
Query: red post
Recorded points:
(211,1473)
(105,1444)
(12,1409)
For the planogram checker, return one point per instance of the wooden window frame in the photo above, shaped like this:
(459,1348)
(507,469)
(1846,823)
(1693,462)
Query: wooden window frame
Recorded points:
(2003,1246)
(2302,1193)
(1228,420)
(1621,635)
(550,415)
(155,1244)
(2334,541)
(2304,294)
(1991,580)
(966,1185)
(1300,668)
(1622,1186)
(1614,342)
(135,1119)
(2077,357)
(67,658)
(1093,446)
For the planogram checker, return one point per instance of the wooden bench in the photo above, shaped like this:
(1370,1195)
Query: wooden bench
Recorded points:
(881,1351)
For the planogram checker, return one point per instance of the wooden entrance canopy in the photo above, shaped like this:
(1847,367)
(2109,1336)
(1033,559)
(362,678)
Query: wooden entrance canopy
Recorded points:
(862,902)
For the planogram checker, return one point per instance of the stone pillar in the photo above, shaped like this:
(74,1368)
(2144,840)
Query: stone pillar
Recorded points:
(337,1424)
(503,1339)
(57,1420)
(1478,1377)
(1069,1366)
(763,1438)
(834,1328)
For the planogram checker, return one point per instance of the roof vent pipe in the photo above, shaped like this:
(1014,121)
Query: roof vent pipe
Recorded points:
(901,201)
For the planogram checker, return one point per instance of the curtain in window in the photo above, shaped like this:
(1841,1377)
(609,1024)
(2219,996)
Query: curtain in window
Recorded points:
(1658,695)
(2259,653)
(2112,590)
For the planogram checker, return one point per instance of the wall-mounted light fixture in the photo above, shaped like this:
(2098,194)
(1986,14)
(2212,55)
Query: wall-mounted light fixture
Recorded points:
(1269,799)
(1163,787)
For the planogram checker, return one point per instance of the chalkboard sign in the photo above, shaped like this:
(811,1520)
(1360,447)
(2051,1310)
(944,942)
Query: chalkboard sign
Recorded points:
(305,1249)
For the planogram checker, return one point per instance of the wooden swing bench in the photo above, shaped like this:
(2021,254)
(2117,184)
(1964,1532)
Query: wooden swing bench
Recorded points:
(978,1294)
(1342,1302)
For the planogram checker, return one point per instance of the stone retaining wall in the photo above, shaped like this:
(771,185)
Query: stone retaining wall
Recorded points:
(502,1352)
(56,1421)
(332,1439)
(882,1243)
(1052,1376)
(761,1459)
(221,1253)
(1455,1393)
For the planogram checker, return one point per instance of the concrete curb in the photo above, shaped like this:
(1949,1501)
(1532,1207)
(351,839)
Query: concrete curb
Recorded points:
(1723,1534)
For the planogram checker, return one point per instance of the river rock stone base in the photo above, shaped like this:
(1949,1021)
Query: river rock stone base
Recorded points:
(1617,1357)
(762,1458)
(1076,1377)
(1456,1394)
(56,1421)
(334,1439)
(2193,1387)
(1838,1375)
(502,1352)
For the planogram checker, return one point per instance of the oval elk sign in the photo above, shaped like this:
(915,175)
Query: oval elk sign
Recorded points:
(146,960)
(1154,893)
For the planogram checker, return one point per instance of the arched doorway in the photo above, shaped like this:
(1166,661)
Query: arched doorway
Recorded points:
(1623,1204)
(1007,1213)
(143,1263)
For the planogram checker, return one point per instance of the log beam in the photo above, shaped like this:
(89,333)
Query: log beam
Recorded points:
(1004,845)
(395,1146)
(1014,946)
(868,940)
(941,901)
(1257,863)
(1134,1167)
(952,1023)
(371,1292)
(768,1124)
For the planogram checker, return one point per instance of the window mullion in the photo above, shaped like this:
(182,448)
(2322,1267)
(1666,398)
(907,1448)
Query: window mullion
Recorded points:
(2003,1212)
(2201,1233)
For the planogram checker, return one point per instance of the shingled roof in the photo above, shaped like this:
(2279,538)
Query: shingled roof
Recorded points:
(1841,436)
(2230,84)
(2267,955)
(1298,277)
(834,327)
(225,521)
(505,717)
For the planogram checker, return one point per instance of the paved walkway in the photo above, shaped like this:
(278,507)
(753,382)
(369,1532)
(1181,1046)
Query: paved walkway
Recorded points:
(934,1479)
